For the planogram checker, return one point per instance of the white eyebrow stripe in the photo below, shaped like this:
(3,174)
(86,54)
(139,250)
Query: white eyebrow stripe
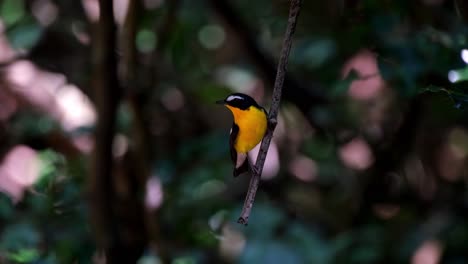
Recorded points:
(232,97)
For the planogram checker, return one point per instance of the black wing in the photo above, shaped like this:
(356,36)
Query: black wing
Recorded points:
(232,139)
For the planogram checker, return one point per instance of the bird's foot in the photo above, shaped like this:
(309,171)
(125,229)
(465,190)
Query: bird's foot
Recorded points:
(254,170)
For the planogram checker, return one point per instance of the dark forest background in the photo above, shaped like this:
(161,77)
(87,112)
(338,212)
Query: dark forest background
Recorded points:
(112,149)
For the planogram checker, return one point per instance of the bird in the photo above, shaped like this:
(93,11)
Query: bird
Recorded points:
(248,128)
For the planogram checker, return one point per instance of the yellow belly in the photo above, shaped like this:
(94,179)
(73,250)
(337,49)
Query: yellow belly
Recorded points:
(252,125)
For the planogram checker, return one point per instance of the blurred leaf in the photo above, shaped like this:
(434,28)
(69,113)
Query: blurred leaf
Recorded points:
(19,236)
(146,40)
(341,87)
(11,11)
(25,255)
(50,160)
(205,238)
(24,36)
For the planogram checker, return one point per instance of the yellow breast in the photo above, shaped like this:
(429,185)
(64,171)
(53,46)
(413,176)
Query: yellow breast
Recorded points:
(252,124)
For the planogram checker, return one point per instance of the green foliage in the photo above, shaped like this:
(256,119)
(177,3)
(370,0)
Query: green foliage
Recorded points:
(54,203)
(24,256)
(25,35)
(22,31)
(146,41)
(12,11)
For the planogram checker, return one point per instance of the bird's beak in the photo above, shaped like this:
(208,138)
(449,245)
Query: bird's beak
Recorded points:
(220,102)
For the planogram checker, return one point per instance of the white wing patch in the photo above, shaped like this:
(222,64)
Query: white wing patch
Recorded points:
(240,159)
(233,97)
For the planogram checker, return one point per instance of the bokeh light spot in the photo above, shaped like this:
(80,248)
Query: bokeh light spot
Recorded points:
(120,145)
(370,82)
(429,252)
(238,79)
(45,11)
(91,8)
(232,243)
(75,107)
(19,170)
(453,76)
(211,36)
(464,55)
(154,193)
(304,168)
(356,154)
(173,99)
(145,40)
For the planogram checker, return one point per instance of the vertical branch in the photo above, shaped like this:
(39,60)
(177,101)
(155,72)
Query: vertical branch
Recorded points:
(107,96)
(273,114)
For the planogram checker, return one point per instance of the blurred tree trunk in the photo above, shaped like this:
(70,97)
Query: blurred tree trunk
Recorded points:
(118,246)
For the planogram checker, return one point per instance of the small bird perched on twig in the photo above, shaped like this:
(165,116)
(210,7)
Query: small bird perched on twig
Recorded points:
(248,128)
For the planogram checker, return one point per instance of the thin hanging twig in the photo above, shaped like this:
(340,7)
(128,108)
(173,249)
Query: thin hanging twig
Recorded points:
(272,116)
